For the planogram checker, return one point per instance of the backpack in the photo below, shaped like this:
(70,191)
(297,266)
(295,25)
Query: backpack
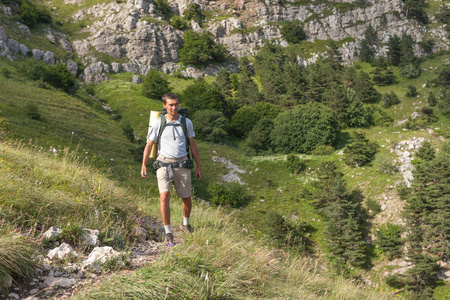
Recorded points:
(184,114)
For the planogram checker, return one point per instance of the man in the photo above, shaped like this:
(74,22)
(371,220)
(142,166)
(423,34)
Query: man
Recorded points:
(172,153)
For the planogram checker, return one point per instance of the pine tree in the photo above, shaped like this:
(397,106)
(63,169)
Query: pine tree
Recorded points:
(415,9)
(366,53)
(247,91)
(360,150)
(394,50)
(356,114)
(224,82)
(294,81)
(333,55)
(344,216)
(431,99)
(428,217)
(426,152)
(364,88)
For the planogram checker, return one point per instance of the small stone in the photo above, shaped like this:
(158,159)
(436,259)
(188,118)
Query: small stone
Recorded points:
(70,269)
(14,296)
(58,274)
(34,291)
(46,268)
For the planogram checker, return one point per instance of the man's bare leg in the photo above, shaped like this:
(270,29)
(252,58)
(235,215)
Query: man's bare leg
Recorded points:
(164,207)
(187,207)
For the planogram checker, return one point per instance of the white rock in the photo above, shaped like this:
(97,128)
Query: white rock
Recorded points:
(101,255)
(90,236)
(14,296)
(58,282)
(54,231)
(61,251)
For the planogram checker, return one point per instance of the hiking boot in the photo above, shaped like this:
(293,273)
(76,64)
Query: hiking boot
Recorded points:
(168,240)
(186,228)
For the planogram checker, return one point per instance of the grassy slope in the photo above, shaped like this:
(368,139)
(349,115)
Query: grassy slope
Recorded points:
(47,189)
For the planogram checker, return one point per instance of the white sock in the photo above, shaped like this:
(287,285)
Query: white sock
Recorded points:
(167,229)
(185,221)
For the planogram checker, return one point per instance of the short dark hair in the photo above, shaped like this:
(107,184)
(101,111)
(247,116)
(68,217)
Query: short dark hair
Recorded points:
(172,96)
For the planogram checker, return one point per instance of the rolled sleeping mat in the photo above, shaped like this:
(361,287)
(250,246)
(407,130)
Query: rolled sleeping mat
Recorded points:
(154,115)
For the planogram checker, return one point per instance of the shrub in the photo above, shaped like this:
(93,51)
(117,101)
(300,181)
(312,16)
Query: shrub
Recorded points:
(426,152)
(32,111)
(248,116)
(431,99)
(193,12)
(294,164)
(410,71)
(6,72)
(304,128)
(412,91)
(323,150)
(128,131)
(388,240)
(258,140)
(60,77)
(293,32)
(232,194)
(179,23)
(390,99)
(284,231)
(360,150)
(385,164)
(379,117)
(210,125)
(373,206)
(201,95)
(155,85)
(199,49)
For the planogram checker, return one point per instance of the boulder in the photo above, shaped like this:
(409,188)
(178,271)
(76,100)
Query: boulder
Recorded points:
(61,282)
(90,237)
(72,67)
(62,251)
(140,234)
(99,256)
(37,54)
(49,58)
(53,231)
(136,79)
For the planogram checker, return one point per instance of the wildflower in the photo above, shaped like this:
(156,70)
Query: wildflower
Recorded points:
(171,244)
(112,159)
(73,133)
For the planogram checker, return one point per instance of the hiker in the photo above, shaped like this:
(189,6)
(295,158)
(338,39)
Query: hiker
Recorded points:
(173,162)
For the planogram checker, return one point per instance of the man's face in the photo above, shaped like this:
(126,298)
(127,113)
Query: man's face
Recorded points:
(172,107)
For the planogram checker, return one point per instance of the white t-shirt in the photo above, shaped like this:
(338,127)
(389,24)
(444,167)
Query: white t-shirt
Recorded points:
(173,141)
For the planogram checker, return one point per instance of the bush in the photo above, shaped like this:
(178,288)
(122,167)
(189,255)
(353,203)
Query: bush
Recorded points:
(31,16)
(193,12)
(210,125)
(247,116)
(431,99)
(412,91)
(283,231)
(373,206)
(199,49)
(258,140)
(179,23)
(155,85)
(323,150)
(388,240)
(32,111)
(303,128)
(294,164)
(379,117)
(385,164)
(360,151)
(232,194)
(128,131)
(426,152)
(410,71)
(60,77)
(201,95)
(293,32)
(390,99)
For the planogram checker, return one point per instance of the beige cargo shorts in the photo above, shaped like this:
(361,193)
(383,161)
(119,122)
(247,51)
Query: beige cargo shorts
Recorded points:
(181,177)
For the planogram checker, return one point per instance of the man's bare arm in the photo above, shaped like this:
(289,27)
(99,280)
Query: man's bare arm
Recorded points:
(147,150)
(196,156)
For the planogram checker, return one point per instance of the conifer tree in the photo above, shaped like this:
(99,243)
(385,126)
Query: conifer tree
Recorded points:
(364,88)
(431,99)
(428,218)
(344,216)
(155,85)
(224,82)
(247,91)
(426,152)
(394,50)
(360,150)
(356,114)
(294,81)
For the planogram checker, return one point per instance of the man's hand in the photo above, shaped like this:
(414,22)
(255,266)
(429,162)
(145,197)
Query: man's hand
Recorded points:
(144,171)
(198,172)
